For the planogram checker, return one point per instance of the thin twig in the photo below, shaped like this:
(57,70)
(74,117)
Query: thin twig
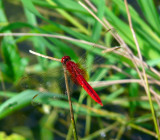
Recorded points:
(111,49)
(151,80)
(146,86)
(84,42)
(156,96)
(113,82)
(118,38)
(44,56)
(55,36)
(114,67)
(67,87)
(70,104)
(136,42)
(136,61)
(129,52)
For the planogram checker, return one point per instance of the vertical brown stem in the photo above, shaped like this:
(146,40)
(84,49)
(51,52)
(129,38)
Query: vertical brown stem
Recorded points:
(70,103)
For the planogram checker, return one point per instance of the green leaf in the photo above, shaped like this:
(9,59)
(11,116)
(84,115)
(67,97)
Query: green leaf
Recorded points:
(150,13)
(14,66)
(29,5)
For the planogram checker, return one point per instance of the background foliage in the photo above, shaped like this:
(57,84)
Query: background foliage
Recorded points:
(126,113)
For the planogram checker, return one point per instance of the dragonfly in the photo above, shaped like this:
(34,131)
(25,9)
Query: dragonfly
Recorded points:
(76,73)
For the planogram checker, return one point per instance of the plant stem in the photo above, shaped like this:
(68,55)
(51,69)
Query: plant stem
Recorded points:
(70,103)
(146,85)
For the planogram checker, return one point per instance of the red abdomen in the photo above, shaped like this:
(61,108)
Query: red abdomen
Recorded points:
(89,89)
(77,76)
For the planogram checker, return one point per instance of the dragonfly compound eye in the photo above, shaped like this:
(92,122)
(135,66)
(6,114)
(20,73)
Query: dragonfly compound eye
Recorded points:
(65,59)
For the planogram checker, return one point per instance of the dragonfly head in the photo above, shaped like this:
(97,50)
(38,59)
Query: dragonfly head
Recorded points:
(65,59)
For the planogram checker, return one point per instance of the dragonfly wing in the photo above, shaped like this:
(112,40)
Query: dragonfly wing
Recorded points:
(51,81)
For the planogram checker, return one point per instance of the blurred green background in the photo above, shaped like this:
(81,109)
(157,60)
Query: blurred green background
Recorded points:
(126,113)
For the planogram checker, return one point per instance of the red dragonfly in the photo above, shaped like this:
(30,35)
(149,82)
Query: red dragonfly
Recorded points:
(77,74)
